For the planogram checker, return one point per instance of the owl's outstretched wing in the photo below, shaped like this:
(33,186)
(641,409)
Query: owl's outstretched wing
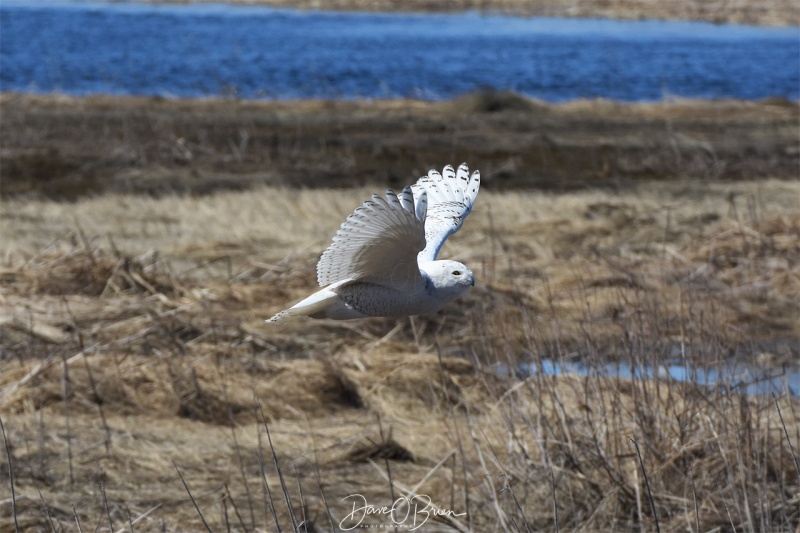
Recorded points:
(378,243)
(450,196)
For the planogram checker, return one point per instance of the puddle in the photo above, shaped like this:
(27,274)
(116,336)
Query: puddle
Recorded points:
(728,376)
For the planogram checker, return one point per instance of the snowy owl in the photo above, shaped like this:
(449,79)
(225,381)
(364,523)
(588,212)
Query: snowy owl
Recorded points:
(382,261)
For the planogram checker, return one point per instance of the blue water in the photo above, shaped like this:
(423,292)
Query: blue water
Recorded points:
(733,376)
(252,52)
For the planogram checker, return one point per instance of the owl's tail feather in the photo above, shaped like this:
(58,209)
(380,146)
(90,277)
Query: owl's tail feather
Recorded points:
(315,305)
(283,316)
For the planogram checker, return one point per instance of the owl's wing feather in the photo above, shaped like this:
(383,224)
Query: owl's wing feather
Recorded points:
(378,243)
(449,197)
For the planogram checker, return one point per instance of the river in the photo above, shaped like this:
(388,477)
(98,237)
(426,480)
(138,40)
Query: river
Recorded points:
(218,50)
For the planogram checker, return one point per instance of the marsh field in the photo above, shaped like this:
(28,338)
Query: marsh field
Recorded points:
(144,242)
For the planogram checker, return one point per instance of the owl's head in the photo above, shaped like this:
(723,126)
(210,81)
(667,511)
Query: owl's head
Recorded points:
(450,278)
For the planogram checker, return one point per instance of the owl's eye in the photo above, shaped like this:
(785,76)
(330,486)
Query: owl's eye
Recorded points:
(456,272)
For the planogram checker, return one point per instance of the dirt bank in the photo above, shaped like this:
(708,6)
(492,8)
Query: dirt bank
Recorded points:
(65,147)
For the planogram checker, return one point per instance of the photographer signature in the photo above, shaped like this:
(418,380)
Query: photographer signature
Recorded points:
(409,512)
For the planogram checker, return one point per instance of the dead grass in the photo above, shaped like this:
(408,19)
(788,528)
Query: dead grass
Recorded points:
(133,343)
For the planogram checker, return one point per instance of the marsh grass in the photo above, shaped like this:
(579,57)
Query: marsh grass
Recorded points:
(141,390)
(72,148)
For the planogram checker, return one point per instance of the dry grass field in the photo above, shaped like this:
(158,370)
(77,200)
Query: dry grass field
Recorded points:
(141,390)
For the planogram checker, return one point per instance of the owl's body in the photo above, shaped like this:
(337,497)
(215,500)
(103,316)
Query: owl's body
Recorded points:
(358,299)
(382,262)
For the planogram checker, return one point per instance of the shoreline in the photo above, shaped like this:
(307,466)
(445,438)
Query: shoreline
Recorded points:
(776,14)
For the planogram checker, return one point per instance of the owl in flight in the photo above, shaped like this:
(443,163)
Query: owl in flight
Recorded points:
(382,261)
